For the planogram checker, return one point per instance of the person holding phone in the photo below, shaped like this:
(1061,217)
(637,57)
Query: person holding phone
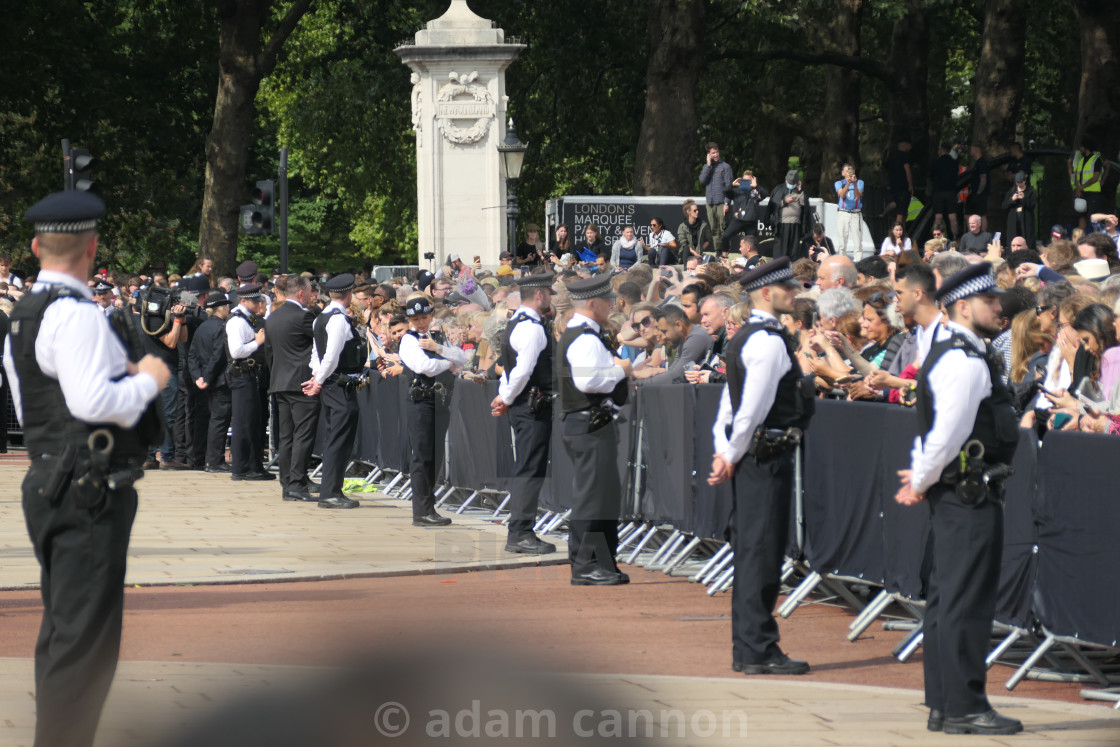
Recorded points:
(969,429)
(1020,202)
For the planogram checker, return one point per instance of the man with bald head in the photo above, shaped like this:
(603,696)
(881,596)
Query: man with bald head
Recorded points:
(837,271)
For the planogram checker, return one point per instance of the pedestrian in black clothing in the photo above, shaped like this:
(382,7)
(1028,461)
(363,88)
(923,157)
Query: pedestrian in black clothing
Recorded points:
(207,365)
(1020,203)
(245,341)
(943,178)
(289,329)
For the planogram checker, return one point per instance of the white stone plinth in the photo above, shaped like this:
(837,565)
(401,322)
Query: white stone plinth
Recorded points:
(458,64)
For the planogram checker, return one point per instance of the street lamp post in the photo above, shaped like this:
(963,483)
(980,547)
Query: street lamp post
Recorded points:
(512,153)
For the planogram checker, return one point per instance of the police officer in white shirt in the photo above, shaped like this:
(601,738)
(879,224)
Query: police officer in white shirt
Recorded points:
(765,405)
(958,466)
(429,363)
(87,417)
(245,340)
(337,353)
(526,392)
(591,381)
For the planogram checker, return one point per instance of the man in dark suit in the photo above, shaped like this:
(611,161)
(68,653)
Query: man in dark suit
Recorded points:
(297,415)
(206,364)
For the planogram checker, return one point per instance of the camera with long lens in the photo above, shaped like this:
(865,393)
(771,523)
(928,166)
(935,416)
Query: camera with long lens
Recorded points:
(155,304)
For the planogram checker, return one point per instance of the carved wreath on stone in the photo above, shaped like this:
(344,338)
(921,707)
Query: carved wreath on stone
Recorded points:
(464,84)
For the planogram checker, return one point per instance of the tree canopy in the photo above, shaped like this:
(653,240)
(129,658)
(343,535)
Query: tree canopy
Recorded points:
(612,98)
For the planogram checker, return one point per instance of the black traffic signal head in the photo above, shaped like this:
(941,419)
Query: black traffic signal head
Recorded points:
(260,217)
(81,171)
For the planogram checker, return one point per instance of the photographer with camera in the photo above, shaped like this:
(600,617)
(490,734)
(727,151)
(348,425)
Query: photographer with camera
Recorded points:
(849,191)
(245,341)
(161,321)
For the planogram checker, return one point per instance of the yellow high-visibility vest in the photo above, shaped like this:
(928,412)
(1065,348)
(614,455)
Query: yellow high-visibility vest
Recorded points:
(1083,171)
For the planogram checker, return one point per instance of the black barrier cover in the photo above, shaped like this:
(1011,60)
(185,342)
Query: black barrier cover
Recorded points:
(555,496)
(1078,555)
(481,451)
(709,510)
(905,528)
(1020,535)
(843,477)
(369,430)
(666,451)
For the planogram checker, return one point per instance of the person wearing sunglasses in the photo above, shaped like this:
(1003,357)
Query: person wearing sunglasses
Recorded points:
(639,337)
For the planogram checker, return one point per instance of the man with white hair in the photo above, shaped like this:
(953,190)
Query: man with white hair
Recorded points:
(837,271)
(835,303)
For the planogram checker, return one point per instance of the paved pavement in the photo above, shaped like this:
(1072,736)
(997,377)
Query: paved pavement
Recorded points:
(195,528)
(158,698)
(198,528)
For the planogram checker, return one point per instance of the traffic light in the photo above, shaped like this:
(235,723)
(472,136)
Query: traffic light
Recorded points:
(260,217)
(79,172)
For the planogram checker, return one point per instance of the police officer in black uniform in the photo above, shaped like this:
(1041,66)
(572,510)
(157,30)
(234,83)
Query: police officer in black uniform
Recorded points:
(245,340)
(338,354)
(87,417)
(591,381)
(526,392)
(958,466)
(207,366)
(428,363)
(763,409)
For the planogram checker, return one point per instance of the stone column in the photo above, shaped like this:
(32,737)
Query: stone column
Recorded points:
(458,64)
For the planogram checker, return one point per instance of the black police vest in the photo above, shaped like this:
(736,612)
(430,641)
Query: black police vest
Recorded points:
(571,398)
(439,339)
(541,377)
(996,426)
(260,355)
(793,403)
(353,357)
(48,426)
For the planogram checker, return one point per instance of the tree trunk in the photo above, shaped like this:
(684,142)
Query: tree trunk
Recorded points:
(999,77)
(667,153)
(908,112)
(1098,109)
(840,141)
(243,60)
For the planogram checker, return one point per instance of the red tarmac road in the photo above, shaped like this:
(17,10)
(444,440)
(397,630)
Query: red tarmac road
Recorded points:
(656,625)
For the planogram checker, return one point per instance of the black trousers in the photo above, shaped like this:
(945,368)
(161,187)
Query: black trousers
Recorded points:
(596,494)
(533,433)
(759,535)
(247,438)
(218,395)
(964,580)
(788,242)
(191,420)
(340,410)
(427,425)
(296,420)
(736,226)
(81,553)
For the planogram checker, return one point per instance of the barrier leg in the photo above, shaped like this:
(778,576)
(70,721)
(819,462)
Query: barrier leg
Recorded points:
(723,582)
(910,644)
(556,519)
(724,550)
(668,547)
(1027,665)
(635,535)
(840,590)
(406,492)
(463,506)
(542,520)
(653,532)
(501,506)
(869,614)
(718,568)
(799,497)
(392,483)
(374,475)
(1008,641)
(627,529)
(802,591)
(683,555)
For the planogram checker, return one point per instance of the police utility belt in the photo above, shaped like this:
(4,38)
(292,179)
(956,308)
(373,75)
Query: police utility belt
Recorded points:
(88,470)
(974,479)
(425,390)
(243,367)
(539,401)
(355,382)
(768,443)
(599,415)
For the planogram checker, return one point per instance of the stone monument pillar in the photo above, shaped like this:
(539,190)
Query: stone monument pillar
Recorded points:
(458,64)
